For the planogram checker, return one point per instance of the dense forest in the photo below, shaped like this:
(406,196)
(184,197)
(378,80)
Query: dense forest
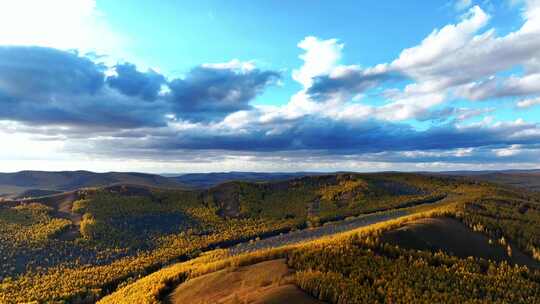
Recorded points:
(113,236)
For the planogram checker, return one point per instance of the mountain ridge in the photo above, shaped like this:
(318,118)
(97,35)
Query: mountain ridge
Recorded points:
(32,183)
(17,183)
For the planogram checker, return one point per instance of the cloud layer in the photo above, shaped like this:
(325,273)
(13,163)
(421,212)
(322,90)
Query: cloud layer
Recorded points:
(46,86)
(401,111)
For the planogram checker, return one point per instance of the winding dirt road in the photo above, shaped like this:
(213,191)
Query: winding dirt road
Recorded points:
(309,234)
(328,229)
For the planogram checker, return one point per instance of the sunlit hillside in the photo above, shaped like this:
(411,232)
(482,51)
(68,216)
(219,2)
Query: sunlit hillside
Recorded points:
(370,265)
(84,245)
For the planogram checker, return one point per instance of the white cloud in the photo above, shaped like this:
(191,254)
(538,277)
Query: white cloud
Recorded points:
(465,114)
(527,103)
(432,65)
(320,58)
(518,86)
(495,87)
(440,43)
(23,145)
(478,90)
(460,59)
(506,152)
(456,57)
(463,152)
(409,107)
(64,24)
(532,16)
(235,64)
(460,56)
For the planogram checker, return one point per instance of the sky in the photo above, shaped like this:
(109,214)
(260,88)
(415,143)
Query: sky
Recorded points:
(211,86)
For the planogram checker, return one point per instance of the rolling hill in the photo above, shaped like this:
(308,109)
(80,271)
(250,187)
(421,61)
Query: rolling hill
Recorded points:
(37,183)
(456,251)
(139,244)
(526,179)
(206,180)
(41,183)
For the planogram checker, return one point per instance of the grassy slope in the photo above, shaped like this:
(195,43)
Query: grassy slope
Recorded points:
(453,237)
(265,282)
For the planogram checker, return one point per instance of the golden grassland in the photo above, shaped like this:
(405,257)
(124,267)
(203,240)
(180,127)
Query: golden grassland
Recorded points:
(265,282)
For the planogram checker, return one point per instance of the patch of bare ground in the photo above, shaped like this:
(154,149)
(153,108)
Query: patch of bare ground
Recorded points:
(64,210)
(262,283)
(455,238)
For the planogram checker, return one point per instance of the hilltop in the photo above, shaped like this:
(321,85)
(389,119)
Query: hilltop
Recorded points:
(206,180)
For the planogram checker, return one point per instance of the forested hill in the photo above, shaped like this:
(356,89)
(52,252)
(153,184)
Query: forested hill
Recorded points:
(206,180)
(527,179)
(83,244)
(41,183)
(463,241)
(37,183)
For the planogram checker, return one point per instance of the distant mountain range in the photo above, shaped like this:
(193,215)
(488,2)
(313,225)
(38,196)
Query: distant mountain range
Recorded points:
(528,179)
(204,180)
(37,183)
(486,172)
(40,183)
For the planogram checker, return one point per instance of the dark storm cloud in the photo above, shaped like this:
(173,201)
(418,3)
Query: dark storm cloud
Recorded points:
(102,110)
(45,86)
(46,72)
(131,82)
(207,94)
(457,114)
(339,137)
(350,82)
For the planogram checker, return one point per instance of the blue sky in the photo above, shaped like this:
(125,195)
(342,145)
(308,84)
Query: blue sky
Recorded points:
(197,86)
(268,32)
